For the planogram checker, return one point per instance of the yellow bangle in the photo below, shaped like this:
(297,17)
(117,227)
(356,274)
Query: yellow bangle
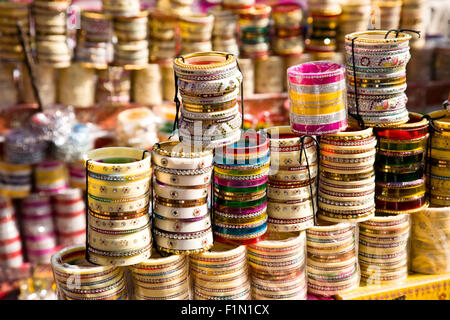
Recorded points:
(316,98)
(236,173)
(316,111)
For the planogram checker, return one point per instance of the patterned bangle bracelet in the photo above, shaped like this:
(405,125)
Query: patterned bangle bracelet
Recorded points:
(118,160)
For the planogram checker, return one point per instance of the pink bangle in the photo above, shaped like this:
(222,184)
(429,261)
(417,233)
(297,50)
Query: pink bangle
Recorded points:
(32,217)
(41,252)
(316,73)
(41,237)
(241,183)
(319,129)
(242,211)
(56,190)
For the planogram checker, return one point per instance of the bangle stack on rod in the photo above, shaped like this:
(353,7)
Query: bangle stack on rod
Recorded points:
(209,84)
(182,223)
(240,200)
(400,167)
(118,187)
(292,184)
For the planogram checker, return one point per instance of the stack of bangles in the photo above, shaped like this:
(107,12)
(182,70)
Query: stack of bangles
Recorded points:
(161,30)
(430,240)
(70,217)
(292,185)
(323,19)
(332,262)
(224,30)
(161,278)
(118,187)
(38,228)
(254,26)
(10,242)
(277,267)
(15,180)
(50,177)
(77,174)
(240,183)
(376,68)
(182,223)
(439,160)
(287,39)
(400,174)
(196,32)
(221,273)
(236,6)
(77,279)
(383,249)
(209,84)
(347,176)
(317,98)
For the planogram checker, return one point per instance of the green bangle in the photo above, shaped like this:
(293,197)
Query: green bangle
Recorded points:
(395,146)
(241,190)
(240,204)
(399,161)
(399,177)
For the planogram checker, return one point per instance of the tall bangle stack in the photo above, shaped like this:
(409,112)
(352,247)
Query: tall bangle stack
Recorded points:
(11,13)
(332,262)
(77,279)
(209,84)
(93,39)
(196,32)
(254,26)
(389,13)
(38,228)
(277,267)
(317,98)
(118,186)
(439,160)
(383,249)
(240,201)
(413,18)
(10,242)
(182,223)
(146,82)
(221,273)
(400,167)
(77,174)
(70,217)
(224,31)
(287,37)
(347,186)
(113,87)
(161,278)
(121,8)
(430,240)
(50,177)
(323,19)
(269,75)
(161,30)
(15,179)
(379,65)
(136,128)
(292,186)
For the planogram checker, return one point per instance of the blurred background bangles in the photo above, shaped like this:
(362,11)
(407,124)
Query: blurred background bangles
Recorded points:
(11,255)
(113,171)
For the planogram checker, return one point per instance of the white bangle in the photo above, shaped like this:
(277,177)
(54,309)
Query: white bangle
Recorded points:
(179,225)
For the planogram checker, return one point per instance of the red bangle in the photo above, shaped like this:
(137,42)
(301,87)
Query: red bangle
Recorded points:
(9,241)
(69,215)
(239,242)
(407,131)
(400,206)
(10,255)
(7,219)
(262,145)
(68,202)
(71,234)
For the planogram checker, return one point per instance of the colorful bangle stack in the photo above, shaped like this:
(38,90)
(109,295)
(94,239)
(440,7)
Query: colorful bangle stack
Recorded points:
(237,6)
(277,267)
(161,278)
(323,18)
(332,262)
(50,177)
(131,48)
(38,228)
(77,174)
(10,14)
(136,128)
(439,160)
(209,84)
(221,273)
(162,29)
(121,8)
(254,26)
(430,240)
(15,180)
(24,146)
(317,98)
(379,65)
(347,176)
(70,217)
(118,186)
(292,186)
(413,18)
(389,13)
(10,242)
(113,87)
(224,31)
(93,40)
(383,249)
(196,32)
(182,223)
(77,279)
(400,166)
(354,17)
(240,201)
(287,39)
